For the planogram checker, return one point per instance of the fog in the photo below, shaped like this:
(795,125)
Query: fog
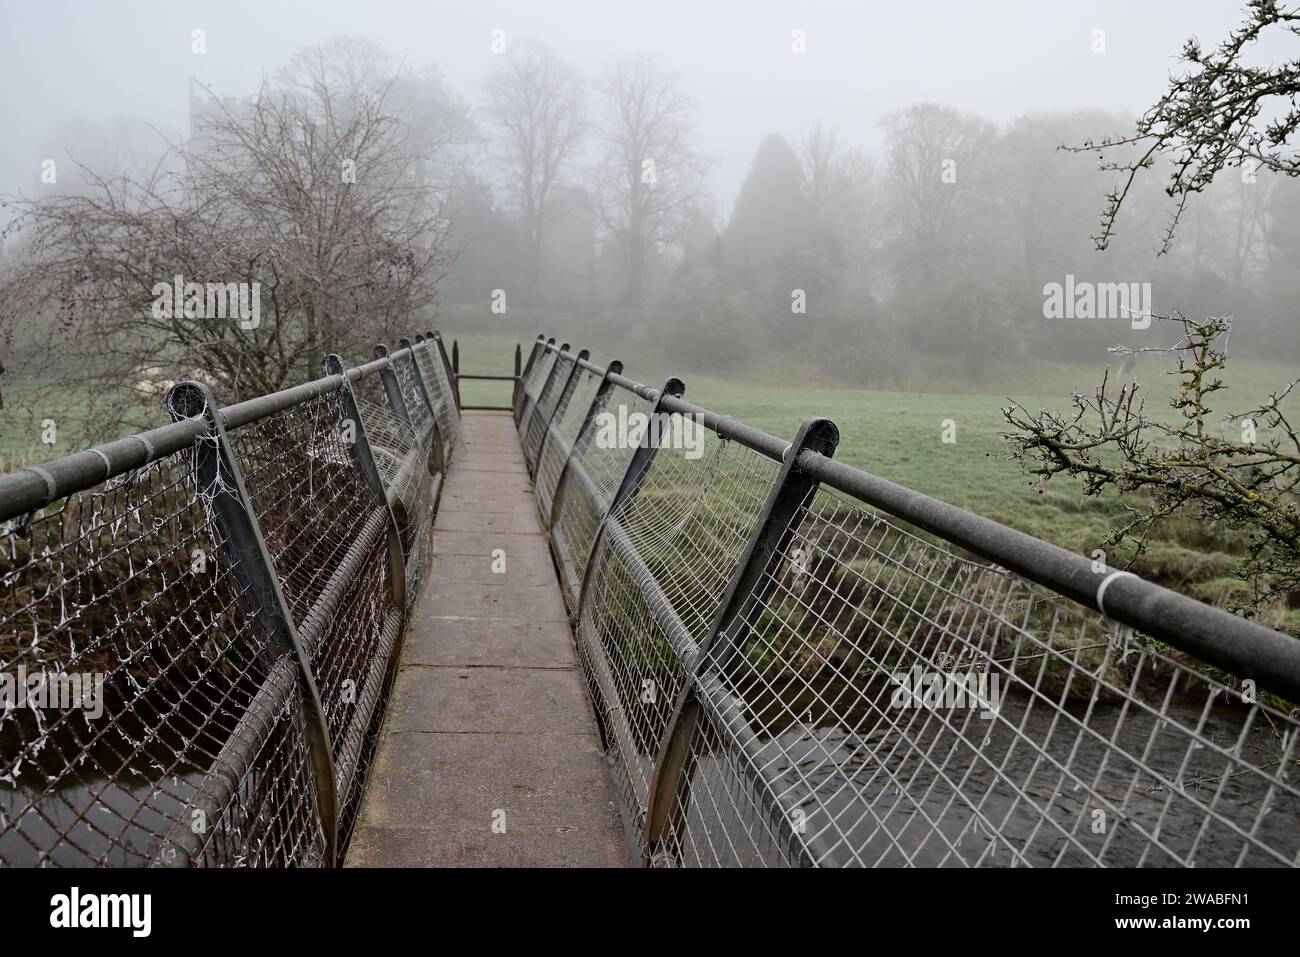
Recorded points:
(864,194)
(64,60)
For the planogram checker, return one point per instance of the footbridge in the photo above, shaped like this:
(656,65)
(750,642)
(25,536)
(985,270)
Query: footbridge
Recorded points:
(358,623)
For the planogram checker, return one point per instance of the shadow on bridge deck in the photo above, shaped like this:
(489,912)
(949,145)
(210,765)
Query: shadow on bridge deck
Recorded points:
(489,721)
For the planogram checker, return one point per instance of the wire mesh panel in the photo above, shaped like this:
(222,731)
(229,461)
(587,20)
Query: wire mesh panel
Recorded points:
(880,697)
(153,711)
(661,569)
(547,404)
(517,394)
(693,514)
(533,377)
(563,433)
(898,704)
(422,419)
(534,385)
(325,534)
(404,467)
(594,475)
(145,719)
(440,394)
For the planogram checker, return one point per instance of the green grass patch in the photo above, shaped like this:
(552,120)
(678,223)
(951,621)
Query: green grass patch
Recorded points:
(898,435)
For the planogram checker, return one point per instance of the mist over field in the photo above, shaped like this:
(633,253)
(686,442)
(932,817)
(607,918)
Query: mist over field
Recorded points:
(898,165)
(796,207)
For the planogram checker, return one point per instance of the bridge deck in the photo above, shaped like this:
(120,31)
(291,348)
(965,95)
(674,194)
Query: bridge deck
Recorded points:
(490,713)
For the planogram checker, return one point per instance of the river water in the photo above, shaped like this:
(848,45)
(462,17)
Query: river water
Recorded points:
(1029,788)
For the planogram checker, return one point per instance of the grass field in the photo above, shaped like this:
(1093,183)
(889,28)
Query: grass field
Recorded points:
(23,434)
(893,434)
(898,436)
(29,408)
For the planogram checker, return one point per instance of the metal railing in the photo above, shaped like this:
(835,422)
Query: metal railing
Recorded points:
(794,662)
(458,375)
(199,624)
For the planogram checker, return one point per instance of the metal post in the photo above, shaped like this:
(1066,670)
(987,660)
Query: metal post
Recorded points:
(524,408)
(637,468)
(782,513)
(364,460)
(393,389)
(584,434)
(419,379)
(455,356)
(516,399)
(220,481)
(436,459)
(438,454)
(519,355)
(526,426)
(453,378)
(565,395)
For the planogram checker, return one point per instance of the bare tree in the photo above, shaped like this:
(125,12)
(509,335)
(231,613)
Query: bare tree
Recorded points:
(650,178)
(435,121)
(836,186)
(1240,471)
(122,145)
(305,191)
(352,67)
(536,111)
(836,175)
(935,178)
(1222,111)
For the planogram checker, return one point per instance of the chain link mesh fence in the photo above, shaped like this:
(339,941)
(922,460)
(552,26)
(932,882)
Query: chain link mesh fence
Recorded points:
(840,687)
(441,393)
(596,468)
(559,443)
(152,710)
(405,463)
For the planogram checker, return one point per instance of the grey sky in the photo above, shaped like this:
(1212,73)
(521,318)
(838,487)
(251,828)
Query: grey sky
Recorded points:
(62,58)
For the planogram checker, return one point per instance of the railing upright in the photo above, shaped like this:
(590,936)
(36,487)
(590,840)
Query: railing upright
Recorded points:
(637,468)
(363,459)
(526,426)
(218,476)
(782,513)
(453,378)
(516,400)
(566,394)
(435,436)
(581,439)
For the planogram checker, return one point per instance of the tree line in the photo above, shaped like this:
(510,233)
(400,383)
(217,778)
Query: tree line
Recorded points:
(366,198)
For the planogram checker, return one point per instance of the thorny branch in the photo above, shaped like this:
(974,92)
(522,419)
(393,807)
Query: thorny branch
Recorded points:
(1221,112)
(1240,472)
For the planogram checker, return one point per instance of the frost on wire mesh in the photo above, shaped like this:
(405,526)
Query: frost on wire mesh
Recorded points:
(128,581)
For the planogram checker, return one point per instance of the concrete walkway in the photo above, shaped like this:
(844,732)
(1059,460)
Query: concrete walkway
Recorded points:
(489,754)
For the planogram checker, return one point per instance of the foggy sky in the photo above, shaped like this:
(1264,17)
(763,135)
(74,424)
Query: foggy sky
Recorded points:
(60,58)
